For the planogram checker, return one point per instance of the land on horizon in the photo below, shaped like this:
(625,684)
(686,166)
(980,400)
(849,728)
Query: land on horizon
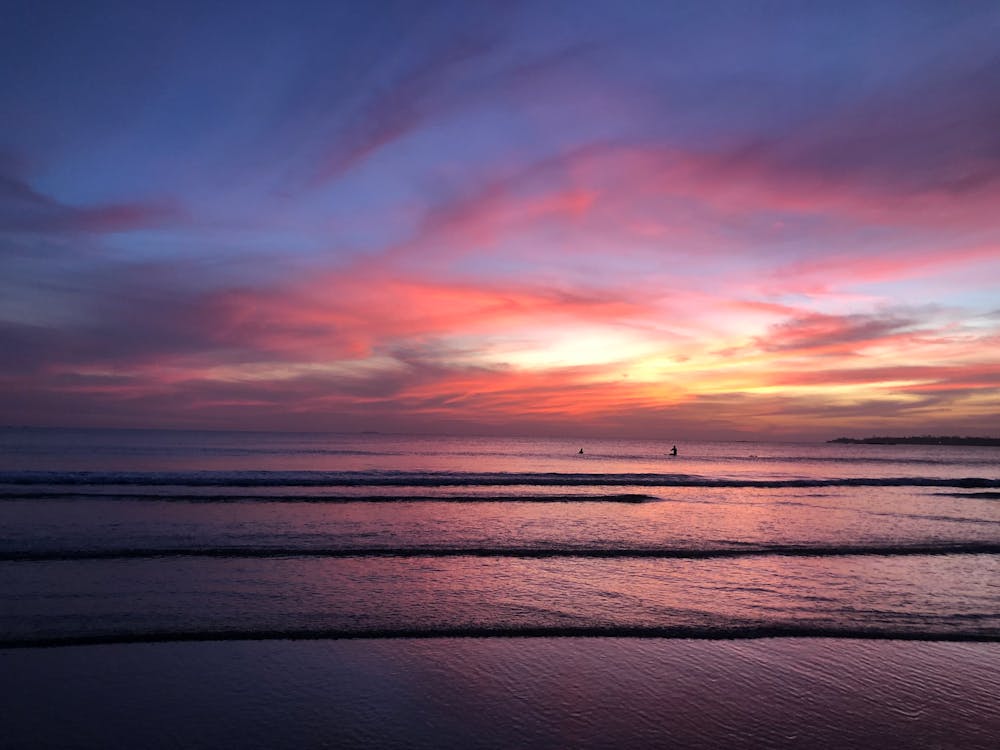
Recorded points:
(920,440)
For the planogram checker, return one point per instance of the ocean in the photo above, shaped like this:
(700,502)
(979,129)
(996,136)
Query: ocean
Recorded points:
(332,590)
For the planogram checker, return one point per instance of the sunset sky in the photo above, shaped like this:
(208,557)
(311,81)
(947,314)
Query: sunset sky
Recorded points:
(678,219)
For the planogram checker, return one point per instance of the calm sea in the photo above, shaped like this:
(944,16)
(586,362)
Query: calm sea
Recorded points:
(148,538)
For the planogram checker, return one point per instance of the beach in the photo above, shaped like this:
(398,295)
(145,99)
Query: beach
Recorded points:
(171,589)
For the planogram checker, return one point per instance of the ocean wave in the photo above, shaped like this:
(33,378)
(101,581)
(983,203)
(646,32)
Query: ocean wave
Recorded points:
(700,553)
(458,479)
(973,495)
(333,499)
(701,632)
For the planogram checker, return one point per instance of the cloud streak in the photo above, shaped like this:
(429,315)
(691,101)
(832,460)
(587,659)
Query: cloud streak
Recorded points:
(25,210)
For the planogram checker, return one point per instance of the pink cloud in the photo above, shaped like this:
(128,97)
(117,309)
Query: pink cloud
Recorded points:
(859,267)
(920,377)
(350,314)
(653,203)
(818,334)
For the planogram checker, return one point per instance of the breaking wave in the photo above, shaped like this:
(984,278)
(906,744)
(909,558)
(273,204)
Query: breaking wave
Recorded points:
(882,550)
(456,479)
(708,632)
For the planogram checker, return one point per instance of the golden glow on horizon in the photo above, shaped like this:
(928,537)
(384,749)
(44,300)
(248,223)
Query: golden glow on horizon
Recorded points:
(575,346)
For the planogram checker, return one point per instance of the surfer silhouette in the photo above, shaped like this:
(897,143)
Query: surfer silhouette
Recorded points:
(581,450)
(673,451)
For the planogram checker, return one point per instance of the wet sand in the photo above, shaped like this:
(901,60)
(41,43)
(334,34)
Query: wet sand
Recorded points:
(493,693)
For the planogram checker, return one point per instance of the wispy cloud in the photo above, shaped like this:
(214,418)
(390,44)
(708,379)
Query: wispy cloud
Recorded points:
(23,209)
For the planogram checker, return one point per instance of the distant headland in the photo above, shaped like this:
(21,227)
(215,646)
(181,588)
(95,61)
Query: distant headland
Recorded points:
(920,440)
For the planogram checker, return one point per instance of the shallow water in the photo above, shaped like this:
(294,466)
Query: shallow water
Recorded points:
(185,535)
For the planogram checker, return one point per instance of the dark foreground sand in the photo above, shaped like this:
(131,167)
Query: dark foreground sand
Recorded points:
(499,693)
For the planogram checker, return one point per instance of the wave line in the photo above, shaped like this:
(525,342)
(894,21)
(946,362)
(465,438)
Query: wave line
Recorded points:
(332,499)
(459,479)
(959,548)
(586,631)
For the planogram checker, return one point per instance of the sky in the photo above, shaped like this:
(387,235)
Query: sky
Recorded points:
(677,220)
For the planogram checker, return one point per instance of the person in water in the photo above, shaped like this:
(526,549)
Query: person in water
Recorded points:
(581,450)
(673,451)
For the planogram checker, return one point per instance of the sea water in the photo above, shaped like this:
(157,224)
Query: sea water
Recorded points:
(139,540)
